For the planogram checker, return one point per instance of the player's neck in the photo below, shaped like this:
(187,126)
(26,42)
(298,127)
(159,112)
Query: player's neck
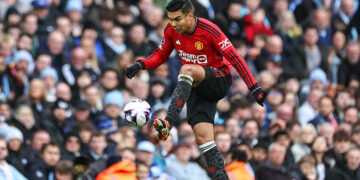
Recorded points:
(191,26)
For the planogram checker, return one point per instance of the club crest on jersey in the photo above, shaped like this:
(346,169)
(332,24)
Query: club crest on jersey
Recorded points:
(199,45)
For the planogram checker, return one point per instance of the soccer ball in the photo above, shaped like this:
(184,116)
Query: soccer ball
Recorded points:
(137,113)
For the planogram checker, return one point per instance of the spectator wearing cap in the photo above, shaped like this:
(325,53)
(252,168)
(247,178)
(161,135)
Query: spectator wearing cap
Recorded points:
(81,112)
(145,153)
(74,10)
(46,18)
(18,151)
(7,171)
(19,69)
(318,80)
(56,124)
(272,167)
(110,130)
(181,168)
(113,105)
(50,78)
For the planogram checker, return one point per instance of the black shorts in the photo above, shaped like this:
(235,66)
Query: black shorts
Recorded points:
(201,105)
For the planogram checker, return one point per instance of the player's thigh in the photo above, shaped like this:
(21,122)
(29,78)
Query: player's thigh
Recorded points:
(215,85)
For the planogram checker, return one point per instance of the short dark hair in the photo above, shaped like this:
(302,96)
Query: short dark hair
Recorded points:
(184,5)
(351,107)
(45,146)
(341,136)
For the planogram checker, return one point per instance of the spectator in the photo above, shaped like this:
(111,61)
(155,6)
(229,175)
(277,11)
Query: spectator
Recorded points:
(272,167)
(308,110)
(223,141)
(124,169)
(349,169)
(323,23)
(40,138)
(30,26)
(93,98)
(272,52)
(138,42)
(182,168)
(308,54)
(351,115)
(7,171)
(114,43)
(55,46)
(348,66)
(232,125)
(97,145)
(343,17)
(250,131)
(50,78)
(319,147)
(326,108)
(64,170)
(326,130)
(69,72)
(7,82)
(43,167)
(72,147)
(63,91)
(25,121)
(342,142)
(304,140)
(238,168)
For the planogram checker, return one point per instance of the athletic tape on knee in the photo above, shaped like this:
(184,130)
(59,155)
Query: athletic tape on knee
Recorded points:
(185,78)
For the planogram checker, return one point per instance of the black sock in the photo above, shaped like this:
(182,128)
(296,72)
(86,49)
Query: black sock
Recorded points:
(179,97)
(215,160)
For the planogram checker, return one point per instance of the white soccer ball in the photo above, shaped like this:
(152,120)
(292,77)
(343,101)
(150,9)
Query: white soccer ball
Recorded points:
(137,113)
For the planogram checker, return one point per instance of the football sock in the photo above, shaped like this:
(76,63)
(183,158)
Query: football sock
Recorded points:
(215,160)
(179,97)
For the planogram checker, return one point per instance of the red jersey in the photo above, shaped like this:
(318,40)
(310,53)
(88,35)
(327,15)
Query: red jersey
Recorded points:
(207,45)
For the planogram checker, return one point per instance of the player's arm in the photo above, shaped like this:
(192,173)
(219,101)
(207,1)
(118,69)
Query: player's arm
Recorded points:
(159,56)
(225,47)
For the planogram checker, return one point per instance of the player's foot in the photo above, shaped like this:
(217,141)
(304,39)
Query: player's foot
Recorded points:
(162,127)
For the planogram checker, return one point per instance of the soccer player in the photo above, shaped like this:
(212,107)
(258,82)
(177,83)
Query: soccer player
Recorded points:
(204,78)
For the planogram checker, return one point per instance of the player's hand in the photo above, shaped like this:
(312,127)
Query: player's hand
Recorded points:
(259,94)
(132,70)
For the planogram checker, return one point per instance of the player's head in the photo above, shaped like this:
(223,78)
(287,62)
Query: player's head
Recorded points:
(180,13)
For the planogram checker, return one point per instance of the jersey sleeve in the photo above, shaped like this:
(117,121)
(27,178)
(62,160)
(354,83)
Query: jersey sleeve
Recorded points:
(161,53)
(225,47)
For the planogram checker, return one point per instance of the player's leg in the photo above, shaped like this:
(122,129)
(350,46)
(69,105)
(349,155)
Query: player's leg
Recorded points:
(189,76)
(204,134)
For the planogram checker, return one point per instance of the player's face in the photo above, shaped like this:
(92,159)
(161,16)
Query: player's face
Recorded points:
(180,21)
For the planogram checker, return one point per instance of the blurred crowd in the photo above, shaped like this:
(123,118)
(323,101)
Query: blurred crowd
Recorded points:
(62,91)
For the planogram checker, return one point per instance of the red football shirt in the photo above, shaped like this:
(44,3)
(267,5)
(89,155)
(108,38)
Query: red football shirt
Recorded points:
(207,45)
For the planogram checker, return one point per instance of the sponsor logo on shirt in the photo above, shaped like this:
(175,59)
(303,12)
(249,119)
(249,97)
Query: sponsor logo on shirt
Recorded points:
(196,59)
(224,44)
(199,45)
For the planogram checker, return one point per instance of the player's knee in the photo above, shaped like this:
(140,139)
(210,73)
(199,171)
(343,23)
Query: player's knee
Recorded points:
(188,69)
(203,138)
